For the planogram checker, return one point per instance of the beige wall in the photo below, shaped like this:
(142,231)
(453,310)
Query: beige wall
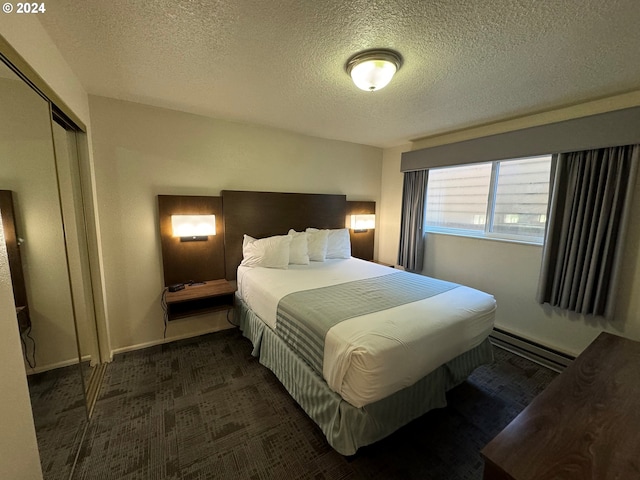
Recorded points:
(143,151)
(510,271)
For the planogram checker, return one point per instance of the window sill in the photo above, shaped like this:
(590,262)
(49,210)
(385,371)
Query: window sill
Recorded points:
(483,237)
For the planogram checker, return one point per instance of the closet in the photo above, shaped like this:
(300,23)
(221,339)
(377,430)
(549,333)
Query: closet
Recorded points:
(43,212)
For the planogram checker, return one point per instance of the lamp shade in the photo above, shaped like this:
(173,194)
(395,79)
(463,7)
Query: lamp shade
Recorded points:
(363,222)
(193,225)
(372,70)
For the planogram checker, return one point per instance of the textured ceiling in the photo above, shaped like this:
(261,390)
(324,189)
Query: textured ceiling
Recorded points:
(281,63)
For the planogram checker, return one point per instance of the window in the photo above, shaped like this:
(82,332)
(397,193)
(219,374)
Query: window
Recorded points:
(503,199)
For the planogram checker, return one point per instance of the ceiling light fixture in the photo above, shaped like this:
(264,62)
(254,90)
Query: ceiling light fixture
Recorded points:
(372,70)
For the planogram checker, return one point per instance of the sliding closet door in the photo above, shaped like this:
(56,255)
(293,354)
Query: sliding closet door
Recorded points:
(64,140)
(48,331)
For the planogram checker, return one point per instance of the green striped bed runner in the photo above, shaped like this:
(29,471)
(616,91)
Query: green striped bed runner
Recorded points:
(305,317)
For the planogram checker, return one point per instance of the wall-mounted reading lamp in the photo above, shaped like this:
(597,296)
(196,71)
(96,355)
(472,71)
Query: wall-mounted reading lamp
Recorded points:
(193,228)
(363,223)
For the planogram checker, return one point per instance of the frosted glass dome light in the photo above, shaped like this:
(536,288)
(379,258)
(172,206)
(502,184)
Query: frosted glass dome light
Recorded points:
(372,70)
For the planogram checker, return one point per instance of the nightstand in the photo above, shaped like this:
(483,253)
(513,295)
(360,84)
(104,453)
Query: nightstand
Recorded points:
(209,296)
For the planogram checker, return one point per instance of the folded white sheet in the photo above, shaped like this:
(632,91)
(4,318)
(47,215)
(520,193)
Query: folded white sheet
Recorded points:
(369,357)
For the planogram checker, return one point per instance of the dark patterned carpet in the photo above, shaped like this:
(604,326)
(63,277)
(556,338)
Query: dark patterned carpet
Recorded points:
(59,415)
(205,409)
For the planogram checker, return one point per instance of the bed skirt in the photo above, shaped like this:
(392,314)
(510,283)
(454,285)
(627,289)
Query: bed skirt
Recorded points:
(346,427)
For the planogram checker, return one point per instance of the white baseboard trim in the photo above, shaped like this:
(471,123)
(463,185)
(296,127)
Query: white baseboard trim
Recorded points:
(53,366)
(540,354)
(153,343)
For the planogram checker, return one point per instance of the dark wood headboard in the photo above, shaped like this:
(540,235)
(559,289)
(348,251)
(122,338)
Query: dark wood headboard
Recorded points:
(263,214)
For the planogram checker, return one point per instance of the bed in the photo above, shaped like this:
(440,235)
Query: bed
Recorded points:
(361,361)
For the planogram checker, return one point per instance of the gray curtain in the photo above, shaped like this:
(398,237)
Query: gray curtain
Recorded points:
(587,216)
(414,193)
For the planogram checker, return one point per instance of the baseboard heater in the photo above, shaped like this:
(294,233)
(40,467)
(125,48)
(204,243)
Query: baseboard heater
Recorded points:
(533,351)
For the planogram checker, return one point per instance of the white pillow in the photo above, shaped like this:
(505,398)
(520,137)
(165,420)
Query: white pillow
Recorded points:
(339,243)
(299,251)
(270,252)
(317,244)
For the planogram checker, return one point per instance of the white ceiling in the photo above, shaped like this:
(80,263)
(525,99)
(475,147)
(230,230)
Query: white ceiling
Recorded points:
(281,63)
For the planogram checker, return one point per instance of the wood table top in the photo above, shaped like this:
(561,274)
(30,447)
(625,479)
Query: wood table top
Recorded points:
(585,425)
(210,288)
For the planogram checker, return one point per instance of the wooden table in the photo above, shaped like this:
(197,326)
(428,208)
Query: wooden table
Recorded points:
(200,298)
(585,425)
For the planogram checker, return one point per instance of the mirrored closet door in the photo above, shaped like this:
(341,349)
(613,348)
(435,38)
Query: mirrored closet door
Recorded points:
(70,183)
(42,215)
